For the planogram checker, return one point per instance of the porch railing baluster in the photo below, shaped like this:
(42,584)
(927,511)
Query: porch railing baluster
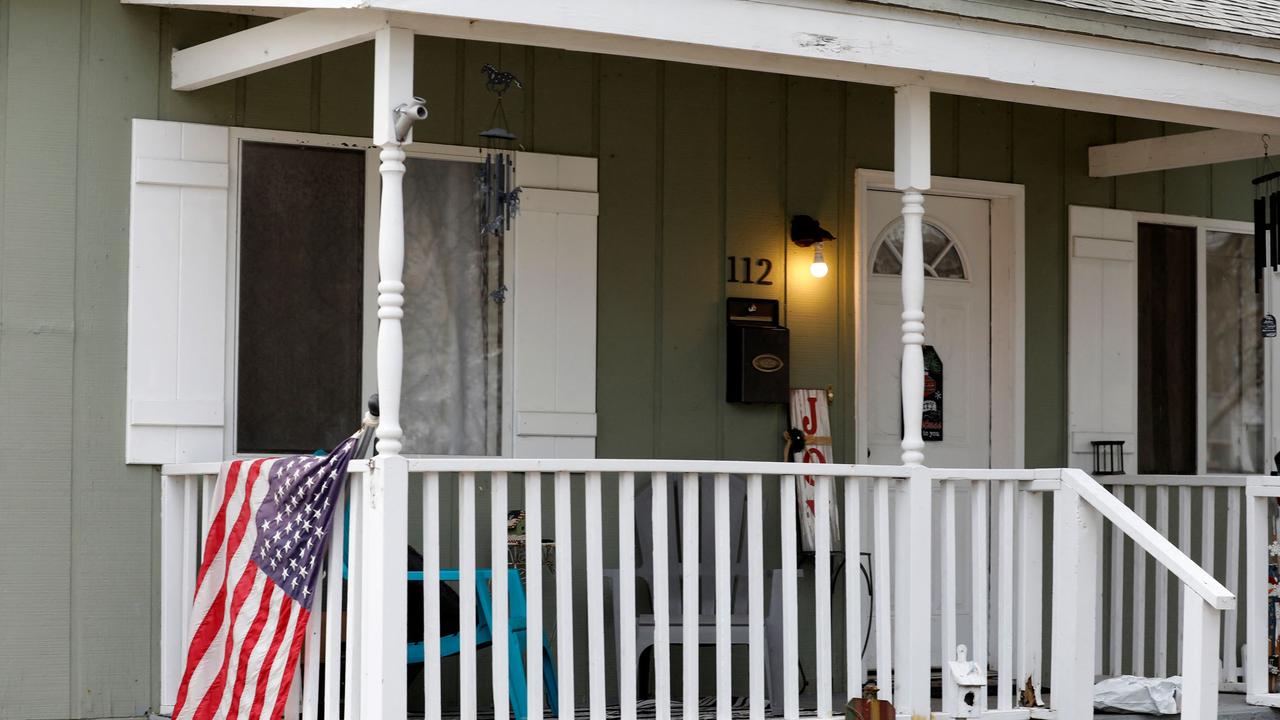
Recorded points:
(853,630)
(689,622)
(883,598)
(593,543)
(755,593)
(790,619)
(1004,624)
(498,562)
(723,599)
(980,507)
(1118,638)
(533,589)
(627,594)
(947,572)
(661,600)
(467,594)
(431,538)
(822,591)
(564,591)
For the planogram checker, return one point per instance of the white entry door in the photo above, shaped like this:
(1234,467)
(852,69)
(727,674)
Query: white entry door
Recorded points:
(957,307)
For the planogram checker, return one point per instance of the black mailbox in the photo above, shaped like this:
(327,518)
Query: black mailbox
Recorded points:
(759,354)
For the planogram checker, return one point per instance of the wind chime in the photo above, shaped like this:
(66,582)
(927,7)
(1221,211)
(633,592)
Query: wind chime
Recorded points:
(499,199)
(1266,218)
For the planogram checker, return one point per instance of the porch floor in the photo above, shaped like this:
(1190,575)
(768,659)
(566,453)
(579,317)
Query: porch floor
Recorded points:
(1230,706)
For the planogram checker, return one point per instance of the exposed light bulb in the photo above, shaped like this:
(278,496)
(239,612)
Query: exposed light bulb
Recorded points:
(819,267)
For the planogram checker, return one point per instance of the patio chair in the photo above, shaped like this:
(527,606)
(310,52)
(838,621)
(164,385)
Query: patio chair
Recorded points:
(517,631)
(739,633)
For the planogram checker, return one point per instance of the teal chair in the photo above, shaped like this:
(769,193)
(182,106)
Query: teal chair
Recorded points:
(517,635)
(517,631)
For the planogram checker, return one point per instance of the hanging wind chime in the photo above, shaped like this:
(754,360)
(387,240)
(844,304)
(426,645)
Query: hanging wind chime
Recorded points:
(499,198)
(1266,218)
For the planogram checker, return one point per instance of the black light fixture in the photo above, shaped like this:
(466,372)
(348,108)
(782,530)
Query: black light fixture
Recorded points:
(1108,457)
(806,232)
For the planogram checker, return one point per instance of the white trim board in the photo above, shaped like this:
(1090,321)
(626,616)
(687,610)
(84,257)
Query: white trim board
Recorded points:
(1008,311)
(837,40)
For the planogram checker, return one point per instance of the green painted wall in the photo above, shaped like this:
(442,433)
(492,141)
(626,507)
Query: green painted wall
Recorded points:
(693,161)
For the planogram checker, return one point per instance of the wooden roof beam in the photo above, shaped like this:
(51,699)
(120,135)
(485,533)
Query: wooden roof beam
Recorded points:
(279,42)
(1168,152)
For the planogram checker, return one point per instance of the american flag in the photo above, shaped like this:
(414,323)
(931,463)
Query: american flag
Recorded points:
(262,562)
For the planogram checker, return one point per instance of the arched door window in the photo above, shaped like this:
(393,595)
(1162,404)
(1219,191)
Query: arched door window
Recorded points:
(942,258)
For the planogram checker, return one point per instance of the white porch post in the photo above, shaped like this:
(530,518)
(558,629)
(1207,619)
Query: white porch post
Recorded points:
(911,169)
(911,176)
(386,497)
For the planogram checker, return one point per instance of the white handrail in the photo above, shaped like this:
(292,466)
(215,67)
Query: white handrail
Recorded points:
(1156,545)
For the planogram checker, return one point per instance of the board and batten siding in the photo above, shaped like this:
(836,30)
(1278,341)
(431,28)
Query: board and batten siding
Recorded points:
(691,158)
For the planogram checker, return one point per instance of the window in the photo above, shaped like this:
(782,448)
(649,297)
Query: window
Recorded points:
(1171,258)
(252,282)
(301,295)
(941,255)
(301,299)
(1165,346)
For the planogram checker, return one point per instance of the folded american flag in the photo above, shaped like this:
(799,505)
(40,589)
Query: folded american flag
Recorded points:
(262,561)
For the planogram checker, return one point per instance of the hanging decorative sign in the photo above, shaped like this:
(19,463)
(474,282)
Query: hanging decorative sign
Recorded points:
(931,419)
(1268,325)
(809,416)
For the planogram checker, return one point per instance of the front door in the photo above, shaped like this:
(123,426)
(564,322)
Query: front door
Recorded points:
(957,306)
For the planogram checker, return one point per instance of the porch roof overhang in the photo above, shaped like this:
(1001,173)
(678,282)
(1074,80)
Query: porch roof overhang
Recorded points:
(832,39)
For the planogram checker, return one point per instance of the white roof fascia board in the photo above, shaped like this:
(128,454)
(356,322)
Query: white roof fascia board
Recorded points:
(881,45)
(1088,22)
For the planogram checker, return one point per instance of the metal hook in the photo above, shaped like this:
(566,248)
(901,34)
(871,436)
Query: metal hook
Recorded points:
(1266,145)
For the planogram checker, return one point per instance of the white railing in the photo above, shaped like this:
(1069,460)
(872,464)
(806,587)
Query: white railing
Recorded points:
(1203,515)
(983,589)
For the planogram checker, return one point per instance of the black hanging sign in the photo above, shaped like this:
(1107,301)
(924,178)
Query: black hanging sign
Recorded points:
(1268,325)
(931,419)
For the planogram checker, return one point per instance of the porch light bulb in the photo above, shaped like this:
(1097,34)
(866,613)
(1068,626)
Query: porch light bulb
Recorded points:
(819,267)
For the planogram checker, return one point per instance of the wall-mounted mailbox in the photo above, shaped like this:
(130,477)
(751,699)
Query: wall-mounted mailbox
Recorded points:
(759,353)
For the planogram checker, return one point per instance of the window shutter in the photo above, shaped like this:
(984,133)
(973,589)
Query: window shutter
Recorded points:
(553,298)
(1102,333)
(177,293)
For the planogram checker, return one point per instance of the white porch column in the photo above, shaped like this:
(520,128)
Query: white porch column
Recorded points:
(911,169)
(386,496)
(911,176)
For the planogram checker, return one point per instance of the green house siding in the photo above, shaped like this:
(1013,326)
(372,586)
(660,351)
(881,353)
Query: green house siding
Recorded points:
(691,159)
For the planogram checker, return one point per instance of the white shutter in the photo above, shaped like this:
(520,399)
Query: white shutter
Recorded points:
(177,293)
(553,307)
(1103,333)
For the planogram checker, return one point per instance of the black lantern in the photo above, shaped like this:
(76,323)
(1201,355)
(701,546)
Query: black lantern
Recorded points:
(1108,457)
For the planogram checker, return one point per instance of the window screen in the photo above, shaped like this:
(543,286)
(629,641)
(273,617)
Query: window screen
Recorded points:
(1233,357)
(300,291)
(452,315)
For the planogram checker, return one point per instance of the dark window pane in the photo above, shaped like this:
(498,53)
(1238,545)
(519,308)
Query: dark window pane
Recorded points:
(301,257)
(1166,349)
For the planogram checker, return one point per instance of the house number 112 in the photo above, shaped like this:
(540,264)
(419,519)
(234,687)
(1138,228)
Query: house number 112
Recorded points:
(765,263)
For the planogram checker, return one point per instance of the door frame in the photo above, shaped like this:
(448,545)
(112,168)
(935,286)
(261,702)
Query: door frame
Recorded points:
(1008,312)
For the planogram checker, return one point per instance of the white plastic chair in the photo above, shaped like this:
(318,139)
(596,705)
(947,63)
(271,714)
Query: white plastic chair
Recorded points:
(739,619)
